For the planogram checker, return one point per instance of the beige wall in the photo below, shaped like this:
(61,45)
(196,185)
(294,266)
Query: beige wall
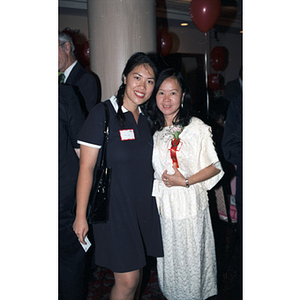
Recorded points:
(74,22)
(193,41)
(187,41)
(118,29)
(190,40)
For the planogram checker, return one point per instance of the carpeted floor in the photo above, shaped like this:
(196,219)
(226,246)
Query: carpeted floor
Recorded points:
(103,280)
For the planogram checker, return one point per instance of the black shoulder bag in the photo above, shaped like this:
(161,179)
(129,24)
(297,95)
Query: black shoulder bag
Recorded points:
(98,205)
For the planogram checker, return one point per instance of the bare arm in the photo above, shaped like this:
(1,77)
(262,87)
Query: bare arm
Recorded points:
(177,179)
(77,151)
(88,159)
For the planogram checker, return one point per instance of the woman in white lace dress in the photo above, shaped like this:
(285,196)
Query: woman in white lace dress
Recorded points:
(186,166)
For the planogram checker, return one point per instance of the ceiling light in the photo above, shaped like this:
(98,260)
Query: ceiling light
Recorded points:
(184,24)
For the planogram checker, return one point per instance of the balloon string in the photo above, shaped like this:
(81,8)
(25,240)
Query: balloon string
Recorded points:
(206,74)
(202,43)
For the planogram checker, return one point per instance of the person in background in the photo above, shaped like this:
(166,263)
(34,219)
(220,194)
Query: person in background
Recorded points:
(133,230)
(221,192)
(232,149)
(185,166)
(234,87)
(72,257)
(72,73)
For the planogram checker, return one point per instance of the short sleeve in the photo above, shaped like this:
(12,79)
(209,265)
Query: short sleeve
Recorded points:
(92,132)
(208,156)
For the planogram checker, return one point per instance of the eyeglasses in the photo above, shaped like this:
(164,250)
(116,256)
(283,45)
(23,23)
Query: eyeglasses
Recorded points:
(61,44)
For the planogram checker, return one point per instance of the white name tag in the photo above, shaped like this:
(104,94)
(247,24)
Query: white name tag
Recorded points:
(127,134)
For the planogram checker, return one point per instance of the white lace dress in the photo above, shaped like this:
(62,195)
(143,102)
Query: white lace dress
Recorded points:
(188,269)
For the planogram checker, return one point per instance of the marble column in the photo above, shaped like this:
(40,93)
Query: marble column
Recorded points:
(117,29)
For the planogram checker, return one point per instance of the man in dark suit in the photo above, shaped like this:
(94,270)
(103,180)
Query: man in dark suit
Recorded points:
(232,145)
(72,257)
(74,74)
(234,88)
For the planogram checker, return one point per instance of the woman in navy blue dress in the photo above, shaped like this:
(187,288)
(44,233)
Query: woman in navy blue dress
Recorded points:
(133,230)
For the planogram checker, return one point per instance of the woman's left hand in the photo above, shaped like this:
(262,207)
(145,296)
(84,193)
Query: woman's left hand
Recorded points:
(176,179)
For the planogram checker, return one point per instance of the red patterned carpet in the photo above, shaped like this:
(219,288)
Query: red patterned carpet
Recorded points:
(103,280)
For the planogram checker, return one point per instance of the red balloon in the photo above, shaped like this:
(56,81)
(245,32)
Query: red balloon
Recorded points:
(213,81)
(70,32)
(205,13)
(217,58)
(85,52)
(165,44)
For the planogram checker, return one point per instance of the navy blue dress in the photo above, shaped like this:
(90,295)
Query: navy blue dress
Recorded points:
(133,230)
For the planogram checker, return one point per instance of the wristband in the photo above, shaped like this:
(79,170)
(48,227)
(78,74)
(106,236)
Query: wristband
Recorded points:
(187,183)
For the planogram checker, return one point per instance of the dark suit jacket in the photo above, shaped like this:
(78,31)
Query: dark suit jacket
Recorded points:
(232,89)
(71,119)
(232,146)
(86,84)
(232,136)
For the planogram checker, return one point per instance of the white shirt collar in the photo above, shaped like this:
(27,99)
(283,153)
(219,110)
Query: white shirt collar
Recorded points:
(69,69)
(113,100)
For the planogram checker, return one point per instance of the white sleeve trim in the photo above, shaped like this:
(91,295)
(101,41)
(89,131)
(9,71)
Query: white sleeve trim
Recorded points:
(89,145)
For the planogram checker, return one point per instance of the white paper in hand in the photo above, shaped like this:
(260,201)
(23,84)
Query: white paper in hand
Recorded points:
(88,244)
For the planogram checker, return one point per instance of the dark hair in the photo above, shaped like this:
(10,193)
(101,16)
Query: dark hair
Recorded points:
(135,60)
(155,116)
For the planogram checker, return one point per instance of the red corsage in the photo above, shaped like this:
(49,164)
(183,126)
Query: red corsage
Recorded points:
(176,130)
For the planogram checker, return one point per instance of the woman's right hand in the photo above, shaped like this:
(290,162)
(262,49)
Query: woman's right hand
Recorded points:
(88,159)
(81,228)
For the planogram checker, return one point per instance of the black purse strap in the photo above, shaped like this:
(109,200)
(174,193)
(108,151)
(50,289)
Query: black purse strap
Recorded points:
(106,135)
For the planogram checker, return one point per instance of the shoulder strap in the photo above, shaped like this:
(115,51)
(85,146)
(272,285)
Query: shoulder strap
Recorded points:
(106,135)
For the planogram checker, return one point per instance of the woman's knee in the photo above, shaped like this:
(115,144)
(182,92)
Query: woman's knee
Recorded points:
(127,281)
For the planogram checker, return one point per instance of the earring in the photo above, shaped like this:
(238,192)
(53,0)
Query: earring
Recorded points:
(182,99)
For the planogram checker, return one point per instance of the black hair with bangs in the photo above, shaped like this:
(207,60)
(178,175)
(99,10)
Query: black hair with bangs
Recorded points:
(135,60)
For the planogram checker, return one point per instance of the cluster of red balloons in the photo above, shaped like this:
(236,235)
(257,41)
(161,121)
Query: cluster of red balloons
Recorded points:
(85,52)
(82,50)
(219,62)
(219,58)
(215,81)
(164,43)
(205,13)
